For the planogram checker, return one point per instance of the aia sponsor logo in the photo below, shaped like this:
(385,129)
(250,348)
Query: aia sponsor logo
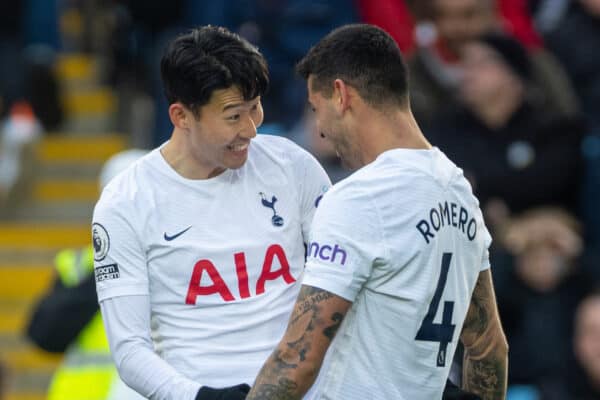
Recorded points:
(206,280)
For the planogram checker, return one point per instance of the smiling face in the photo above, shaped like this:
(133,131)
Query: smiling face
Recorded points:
(331,125)
(219,134)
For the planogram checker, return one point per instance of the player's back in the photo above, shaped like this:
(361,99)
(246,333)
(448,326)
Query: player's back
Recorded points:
(398,340)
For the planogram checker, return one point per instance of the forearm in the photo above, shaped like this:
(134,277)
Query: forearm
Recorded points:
(485,372)
(485,364)
(127,325)
(294,365)
(285,376)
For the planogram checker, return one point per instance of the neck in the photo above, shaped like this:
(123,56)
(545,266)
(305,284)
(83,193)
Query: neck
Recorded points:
(178,155)
(383,131)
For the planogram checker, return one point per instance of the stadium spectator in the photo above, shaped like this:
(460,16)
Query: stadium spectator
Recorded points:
(67,320)
(511,148)
(444,27)
(524,165)
(18,132)
(539,282)
(586,343)
(575,40)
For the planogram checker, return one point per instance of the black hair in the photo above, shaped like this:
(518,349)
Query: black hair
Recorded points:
(363,56)
(208,58)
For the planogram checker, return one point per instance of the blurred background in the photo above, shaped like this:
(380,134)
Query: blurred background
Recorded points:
(509,89)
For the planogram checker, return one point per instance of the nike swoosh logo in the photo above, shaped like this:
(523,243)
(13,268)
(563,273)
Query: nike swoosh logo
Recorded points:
(175,236)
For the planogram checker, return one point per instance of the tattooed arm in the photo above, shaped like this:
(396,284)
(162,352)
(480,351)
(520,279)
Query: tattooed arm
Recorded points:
(293,366)
(485,364)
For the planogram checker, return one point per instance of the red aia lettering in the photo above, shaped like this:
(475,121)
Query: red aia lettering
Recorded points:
(218,285)
(267,274)
(242,274)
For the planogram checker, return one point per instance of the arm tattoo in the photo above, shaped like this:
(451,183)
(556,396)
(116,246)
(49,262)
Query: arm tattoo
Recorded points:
(478,315)
(284,390)
(284,376)
(485,360)
(486,379)
(331,330)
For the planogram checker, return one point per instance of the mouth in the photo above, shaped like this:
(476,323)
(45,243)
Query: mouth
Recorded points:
(238,147)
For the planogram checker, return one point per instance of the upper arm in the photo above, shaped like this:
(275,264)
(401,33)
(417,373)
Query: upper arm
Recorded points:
(119,257)
(345,241)
(482,323)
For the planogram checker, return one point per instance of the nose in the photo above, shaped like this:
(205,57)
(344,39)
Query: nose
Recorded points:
(249,130)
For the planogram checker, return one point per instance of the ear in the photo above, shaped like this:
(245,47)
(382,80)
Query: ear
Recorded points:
(178,115)
(341,94)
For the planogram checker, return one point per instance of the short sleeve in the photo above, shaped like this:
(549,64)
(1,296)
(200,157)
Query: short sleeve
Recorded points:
(119,259)
(312,182)
(345,242)
(485,262)
(487,242)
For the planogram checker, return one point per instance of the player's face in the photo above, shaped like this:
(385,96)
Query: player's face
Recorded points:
(220,133)
(330,124)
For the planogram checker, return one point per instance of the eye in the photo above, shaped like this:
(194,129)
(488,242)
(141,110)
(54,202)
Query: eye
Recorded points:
(254,107)
(234,117)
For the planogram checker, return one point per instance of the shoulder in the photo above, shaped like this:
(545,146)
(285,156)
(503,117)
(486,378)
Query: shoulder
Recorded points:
(124,191)
(353,192)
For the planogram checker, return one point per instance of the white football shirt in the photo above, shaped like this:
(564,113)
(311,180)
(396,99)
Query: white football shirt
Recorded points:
(220,259)
(403,239)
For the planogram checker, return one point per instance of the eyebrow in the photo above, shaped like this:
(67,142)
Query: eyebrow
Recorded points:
(232,105)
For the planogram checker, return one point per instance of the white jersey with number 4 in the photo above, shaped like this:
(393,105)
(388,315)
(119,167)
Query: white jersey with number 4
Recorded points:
(220,259)
(404,240)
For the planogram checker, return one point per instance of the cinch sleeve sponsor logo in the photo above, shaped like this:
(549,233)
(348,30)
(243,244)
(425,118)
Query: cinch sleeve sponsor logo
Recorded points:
(105,272)
(325,252)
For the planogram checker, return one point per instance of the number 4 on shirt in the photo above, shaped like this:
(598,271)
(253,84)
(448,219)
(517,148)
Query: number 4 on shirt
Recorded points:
(442,333)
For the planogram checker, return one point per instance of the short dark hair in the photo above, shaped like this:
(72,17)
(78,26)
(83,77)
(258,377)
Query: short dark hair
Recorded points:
(365,57)
(209,58)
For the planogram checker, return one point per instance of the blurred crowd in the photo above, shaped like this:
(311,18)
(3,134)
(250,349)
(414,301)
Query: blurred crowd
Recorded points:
(508,89)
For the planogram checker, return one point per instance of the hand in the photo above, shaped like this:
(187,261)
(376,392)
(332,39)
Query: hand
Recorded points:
(453,392)
(237,392)
(545,227)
